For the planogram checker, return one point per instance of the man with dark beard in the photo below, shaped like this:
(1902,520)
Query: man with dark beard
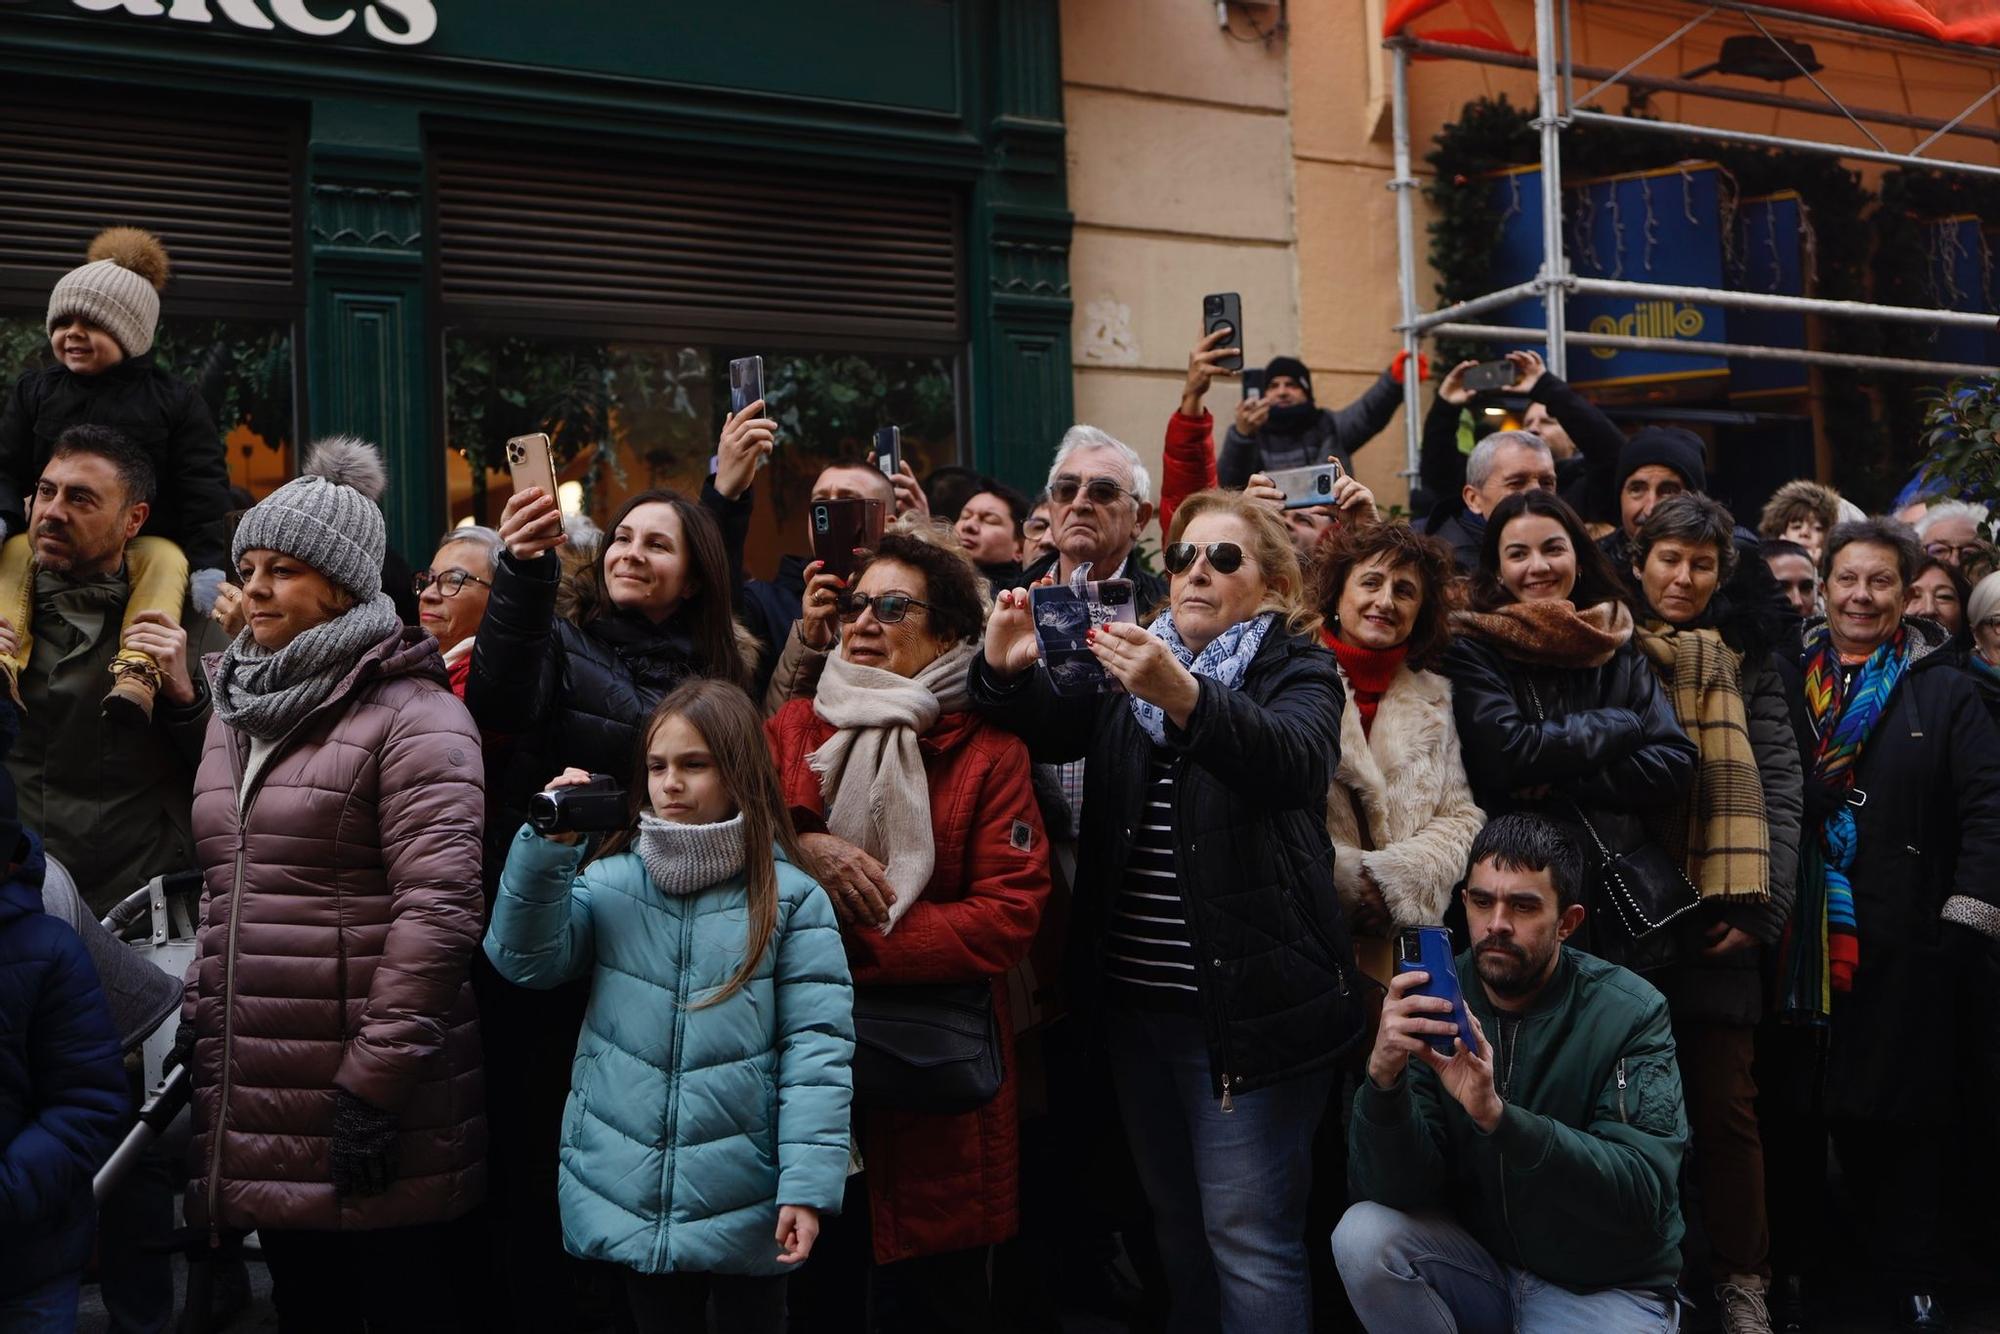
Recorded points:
(1528,1180)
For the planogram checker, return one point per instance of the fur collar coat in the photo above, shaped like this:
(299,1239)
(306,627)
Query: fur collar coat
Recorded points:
(1400,805)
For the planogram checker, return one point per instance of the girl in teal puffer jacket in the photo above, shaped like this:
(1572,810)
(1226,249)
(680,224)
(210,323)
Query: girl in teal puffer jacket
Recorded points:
(707,1123)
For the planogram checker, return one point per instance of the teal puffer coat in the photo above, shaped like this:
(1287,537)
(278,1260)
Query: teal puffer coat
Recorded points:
(685,1128)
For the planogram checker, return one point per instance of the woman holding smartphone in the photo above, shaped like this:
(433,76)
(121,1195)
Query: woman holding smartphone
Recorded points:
(1208,942)
(556,691)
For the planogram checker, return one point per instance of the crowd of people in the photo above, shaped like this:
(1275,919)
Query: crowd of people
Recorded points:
(1480,922)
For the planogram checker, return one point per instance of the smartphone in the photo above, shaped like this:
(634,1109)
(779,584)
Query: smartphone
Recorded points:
(1253,384)
(530,463)
(1490,375)
(746,382)
(839,527)
(1064,614)
(1224,310)
(889,450)
(1428,949)
(1307,486)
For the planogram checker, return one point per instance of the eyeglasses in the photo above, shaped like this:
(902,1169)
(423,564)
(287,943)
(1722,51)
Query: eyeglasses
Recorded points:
(889,607)
(1223,557)
(1947,552)
(1099,490)
(448,583)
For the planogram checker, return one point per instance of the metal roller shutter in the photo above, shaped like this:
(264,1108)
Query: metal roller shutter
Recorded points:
(218,192)
(694,247)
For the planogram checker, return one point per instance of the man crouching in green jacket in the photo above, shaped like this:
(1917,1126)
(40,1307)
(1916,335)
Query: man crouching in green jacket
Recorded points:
(1528,1180)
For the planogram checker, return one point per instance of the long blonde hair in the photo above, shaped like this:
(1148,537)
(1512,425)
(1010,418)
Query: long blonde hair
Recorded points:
(1285,589)
(734,731)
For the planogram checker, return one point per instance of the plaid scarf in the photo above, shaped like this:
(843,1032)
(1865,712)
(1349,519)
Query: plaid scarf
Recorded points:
(1718,830)
(1823,943)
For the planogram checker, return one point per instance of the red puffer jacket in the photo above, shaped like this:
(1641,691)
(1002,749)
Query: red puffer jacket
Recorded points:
(935,1182)
(338,921)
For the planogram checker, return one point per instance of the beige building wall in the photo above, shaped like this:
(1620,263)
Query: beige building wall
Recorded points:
(1180,176)
(1200,163)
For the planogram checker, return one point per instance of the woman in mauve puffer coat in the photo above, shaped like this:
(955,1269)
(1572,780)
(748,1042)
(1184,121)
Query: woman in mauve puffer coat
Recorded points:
(329,1022)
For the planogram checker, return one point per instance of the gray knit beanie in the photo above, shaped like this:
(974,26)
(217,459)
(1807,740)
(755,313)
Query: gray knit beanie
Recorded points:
(326,517)
(118,290)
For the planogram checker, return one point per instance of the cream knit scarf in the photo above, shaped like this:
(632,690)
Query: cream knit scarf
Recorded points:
(871,771)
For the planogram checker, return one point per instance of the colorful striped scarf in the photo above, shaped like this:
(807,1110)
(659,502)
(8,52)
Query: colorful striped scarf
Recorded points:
(1823,944)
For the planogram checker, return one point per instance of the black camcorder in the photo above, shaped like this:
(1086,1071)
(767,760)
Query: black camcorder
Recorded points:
(596,807)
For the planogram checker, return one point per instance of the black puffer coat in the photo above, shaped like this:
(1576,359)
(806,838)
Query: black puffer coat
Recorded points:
(1602,740)
(562,695)
(159,413)
(1251,854)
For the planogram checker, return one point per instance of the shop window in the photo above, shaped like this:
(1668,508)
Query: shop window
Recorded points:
(243,368)
(626,416)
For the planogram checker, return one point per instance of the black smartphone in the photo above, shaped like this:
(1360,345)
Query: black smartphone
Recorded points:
(1224,310)
(746,382)
(889,450)
(841,527)
(1253,384)
(1489,375)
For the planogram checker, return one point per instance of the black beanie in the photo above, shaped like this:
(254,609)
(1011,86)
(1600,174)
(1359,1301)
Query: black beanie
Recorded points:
(1673,447)
(1293,367)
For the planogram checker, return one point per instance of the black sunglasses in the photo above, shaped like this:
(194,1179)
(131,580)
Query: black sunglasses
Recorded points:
(1223,557)
(448,583)
(889,607)
(1100,490)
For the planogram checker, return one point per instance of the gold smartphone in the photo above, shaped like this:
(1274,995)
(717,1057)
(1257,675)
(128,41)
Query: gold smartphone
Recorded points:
(531,464)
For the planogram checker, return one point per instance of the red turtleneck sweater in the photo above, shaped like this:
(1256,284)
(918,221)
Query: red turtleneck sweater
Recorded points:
(1369,671)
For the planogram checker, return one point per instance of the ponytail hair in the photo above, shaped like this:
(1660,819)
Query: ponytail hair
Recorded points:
(734,731)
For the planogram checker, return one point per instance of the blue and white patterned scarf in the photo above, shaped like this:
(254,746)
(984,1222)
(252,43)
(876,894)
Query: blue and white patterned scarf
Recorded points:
(1224,660)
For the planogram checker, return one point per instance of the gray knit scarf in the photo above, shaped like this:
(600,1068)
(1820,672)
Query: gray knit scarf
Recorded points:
(685,858)
(266,694)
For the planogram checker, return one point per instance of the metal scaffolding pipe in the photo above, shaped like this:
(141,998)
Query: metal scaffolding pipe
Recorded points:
(1405,186)
(1748,351)
(1781,141)
(1796,305)
(1549,121)
(1420,323)
(1480,55)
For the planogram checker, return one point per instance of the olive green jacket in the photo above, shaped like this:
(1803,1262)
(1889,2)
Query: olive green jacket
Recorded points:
(1578,1182)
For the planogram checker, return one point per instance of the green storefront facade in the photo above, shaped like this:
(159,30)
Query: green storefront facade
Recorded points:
(866,179)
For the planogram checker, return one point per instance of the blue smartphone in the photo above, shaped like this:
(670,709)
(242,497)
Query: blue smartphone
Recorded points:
(1428,949)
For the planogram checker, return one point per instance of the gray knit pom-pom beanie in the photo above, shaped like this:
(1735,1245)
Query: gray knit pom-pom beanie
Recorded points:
(326,517)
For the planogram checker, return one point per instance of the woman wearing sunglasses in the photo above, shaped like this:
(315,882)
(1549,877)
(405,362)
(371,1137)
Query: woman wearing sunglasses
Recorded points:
(1559,711)
(1207,941)
(452,595)
(919,820)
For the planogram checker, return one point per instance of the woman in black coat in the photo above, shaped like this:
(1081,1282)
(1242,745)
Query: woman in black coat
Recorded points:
(550,692)
(1207,938)
(1558,712)
(1886,1022)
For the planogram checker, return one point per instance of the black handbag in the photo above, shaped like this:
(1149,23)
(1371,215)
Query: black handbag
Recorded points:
(1645,888)
(927,1047)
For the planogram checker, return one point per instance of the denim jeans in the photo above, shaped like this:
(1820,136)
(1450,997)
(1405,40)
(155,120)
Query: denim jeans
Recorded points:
(1421,1273)
(1227,1189)
(49,1309)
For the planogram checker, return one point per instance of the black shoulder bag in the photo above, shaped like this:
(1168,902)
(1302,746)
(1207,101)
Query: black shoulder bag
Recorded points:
(926,1047)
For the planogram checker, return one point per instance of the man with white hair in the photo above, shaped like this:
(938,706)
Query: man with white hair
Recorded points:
(1949,530)
(1499,465)
(1100,496)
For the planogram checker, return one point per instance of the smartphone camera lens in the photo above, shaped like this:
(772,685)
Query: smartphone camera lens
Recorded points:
(1325,484)
(820,521)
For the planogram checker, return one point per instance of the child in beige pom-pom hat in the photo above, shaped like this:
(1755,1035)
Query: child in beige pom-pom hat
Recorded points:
(101,323)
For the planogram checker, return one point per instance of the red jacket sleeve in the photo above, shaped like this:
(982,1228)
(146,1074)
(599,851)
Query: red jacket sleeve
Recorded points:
(1189,462)
(992,927)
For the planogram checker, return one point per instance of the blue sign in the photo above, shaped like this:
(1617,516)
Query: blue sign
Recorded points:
(1958,275)
(1768,256)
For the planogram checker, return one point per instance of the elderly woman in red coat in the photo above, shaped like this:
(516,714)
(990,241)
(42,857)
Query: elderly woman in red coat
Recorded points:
(923,828)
